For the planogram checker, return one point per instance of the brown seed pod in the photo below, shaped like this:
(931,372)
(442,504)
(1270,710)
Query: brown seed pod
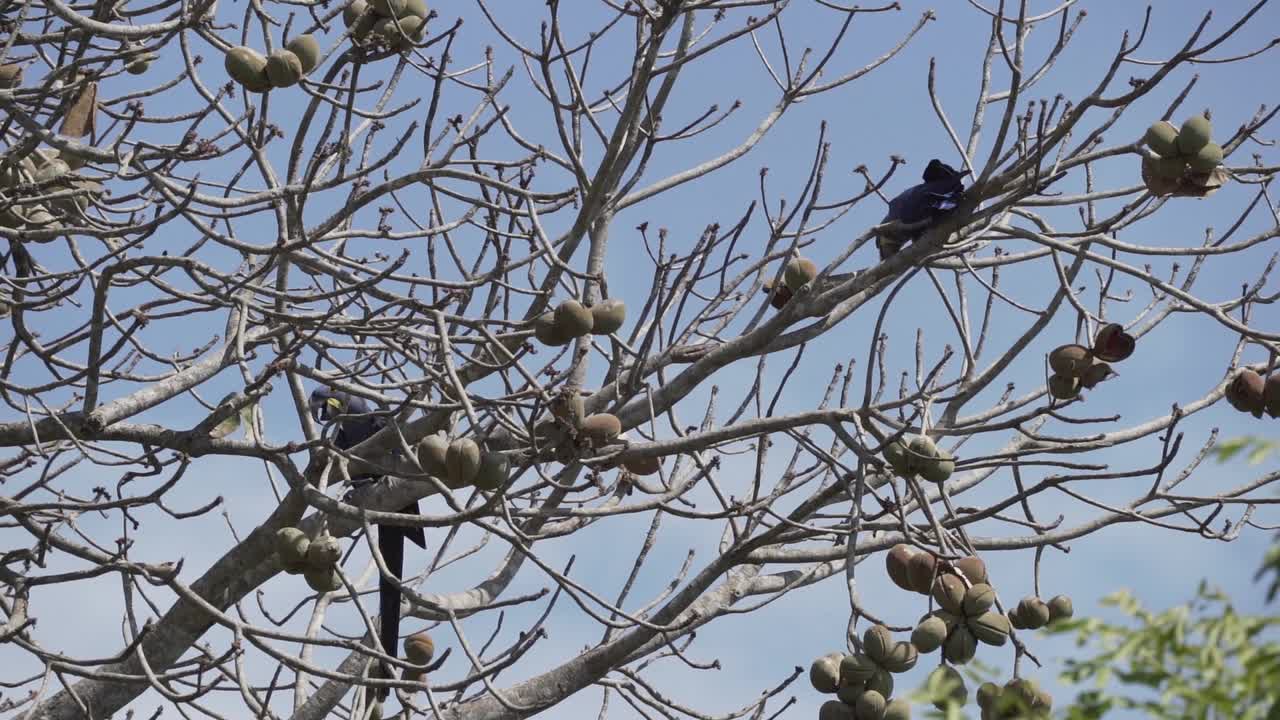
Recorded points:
(431,455)
(247,67)
(284,69)
(493,471)
(547,332)
(929,634)
(643,465)
(323,580)
(949,591)
(856,669)
(835,710)
(462,462)
(573,319)
(920,571)
(1062,387)
(824,673)
(900,658)
(601,428)
(1070,360)
(876,642)
(869,706)
(1097,372)
(1112,343)
(960,646)
(778,297)
(1060,608)
(1247,392)
(990,627)
(1032,612)
(798,273)
(896,562)
(607,316)
(978,599)
(323,552)
(307,48)
(973,568)
(1271,395)
(419,648)
(951,683)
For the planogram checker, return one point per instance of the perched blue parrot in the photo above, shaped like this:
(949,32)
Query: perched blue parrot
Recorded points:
(358,425)
(931,200)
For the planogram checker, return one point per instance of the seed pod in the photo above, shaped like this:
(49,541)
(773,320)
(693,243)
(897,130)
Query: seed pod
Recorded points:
(400,33)
(895,453)
(419,648)
(1063,387)
(929,634)
(323,580)
(900,658)
(353,11)
(897,709)
(798,273)
(10,76)
(978,599)
(601,428)
(960,646)
(987,694)
(990,627)
(462,462)
(1169,168)
(835,710)
(1015,620)
(643,466)
(1033,613)
(607,316)
(949,618)
(1247,392)
(1070,360)
(877,641)
(547,332)
(949,591)
(896,562)
(291,545)
(323,552)
(778,297)
(848,694)
(1206,159)
(950,684)
(1162,138)
(417,8)
(140,64)
(284,69)
(572,319)
(881,681)
(824,673)
(920,451)
(1195,134)
(869,706)
(493,472)
(973,568)
(1271,395)
(307,48)
(856,669)
(431,455)
(1060,608)
(388,8)
(1112,343)
(1097,372)
(940,468)
(247,67)
(920,571)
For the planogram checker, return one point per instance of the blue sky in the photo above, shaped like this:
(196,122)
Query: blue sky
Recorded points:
(887,112)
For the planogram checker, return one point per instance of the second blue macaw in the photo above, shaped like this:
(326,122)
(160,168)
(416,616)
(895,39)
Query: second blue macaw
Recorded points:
(931,200)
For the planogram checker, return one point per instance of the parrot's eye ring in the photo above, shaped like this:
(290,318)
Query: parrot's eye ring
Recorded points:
(334,403)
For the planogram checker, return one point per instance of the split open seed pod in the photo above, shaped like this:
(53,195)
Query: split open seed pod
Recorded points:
(973,568)
(1070,360)
(1097,373)
(897,562)
(1062,387)
(779,296)
(1112,343)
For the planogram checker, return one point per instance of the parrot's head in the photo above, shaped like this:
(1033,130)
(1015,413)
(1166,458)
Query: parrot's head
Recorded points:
(326,404)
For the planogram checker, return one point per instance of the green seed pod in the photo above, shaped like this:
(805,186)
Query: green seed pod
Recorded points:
(881,681)
(798,273)
(248,67)
(978,599)
(419,648)
(547,332)
(140,64)
(1033,613)
(323,552)
(856,669)
(601,428)
(292,545)
(895,453)
(1162,138)
(929,634)
(1070,360)
(493,472)
(877,641)
(848,694)
(462,462)
(990,627)
(920,451)
(898,709)
(940,469)
(402,32)
(1060,608)
(307,48)
(416,8)
(920,570)
(388,8)
(824,673)
(896,561)
(572,319)
(987,694)
(431,455)
(869,706)
(901,657)
(607,316)
(284,69)
(353,11)
(1206,158)
(323,580)
(1195,134)
(1169,168)
(10,76)
(949,592)
(960,646)
(973,568)
(835,710)
(1063,387)
(949,684)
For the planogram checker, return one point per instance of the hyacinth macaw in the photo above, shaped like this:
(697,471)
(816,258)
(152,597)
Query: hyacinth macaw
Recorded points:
(932,199)
(357,425)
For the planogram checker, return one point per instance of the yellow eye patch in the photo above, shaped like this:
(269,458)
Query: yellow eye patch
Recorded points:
(334,403)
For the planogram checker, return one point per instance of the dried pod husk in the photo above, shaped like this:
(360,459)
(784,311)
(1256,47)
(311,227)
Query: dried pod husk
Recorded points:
(601,428)
(1112,343)
(778,297)
(897,709)
(987,694)
(493,471)
(877,641)
(323,580)
(291,546)
(462,462)
(1070,360)
(895,453)
(1097,373)
(1032,612)
(547,332)
(856,669)
(920,571)
(929,634)
(419,648)
(973,568)
(990,627)
(1162,138)
(607,316)
(940,468)
(960,646)
(869,706)
(950,686)
(10,76)
(431,455)
(1206,159)
(798,273)
(1247,392)
(824,673)
(978,599)
(1271,395)
(573,319)
(284,69)
(900,658)
(896,561)
(1060,608)
(324,552)
(307,48)
(1170,168)
(247,67)
(1062,387)
(949,591)
(388,8)
(835,710)
(1196,132)
(416,8)
(1157,184)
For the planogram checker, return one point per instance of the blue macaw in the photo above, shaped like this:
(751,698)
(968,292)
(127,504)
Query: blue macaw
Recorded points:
(359,424)
(938,195)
